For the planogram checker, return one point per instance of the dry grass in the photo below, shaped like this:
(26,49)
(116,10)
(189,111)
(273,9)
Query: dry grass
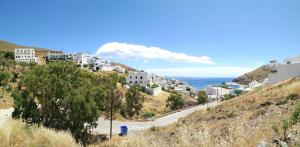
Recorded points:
(156,104)
(242,121)
(6,101)
(16,133)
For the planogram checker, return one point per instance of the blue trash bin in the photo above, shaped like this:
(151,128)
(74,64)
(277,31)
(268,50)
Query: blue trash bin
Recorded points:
(124,130)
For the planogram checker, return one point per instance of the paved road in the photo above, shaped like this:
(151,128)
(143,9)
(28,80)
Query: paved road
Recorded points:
(5,114)
(104,124)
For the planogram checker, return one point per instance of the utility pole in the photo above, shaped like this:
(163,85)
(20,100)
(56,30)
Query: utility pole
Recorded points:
(111,112)
(217,94)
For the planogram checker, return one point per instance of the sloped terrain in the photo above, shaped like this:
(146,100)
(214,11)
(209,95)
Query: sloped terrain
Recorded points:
(257,74)
(7,46)
(243,121)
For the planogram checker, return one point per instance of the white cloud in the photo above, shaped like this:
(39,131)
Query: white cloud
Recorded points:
(221,71)
(133,51)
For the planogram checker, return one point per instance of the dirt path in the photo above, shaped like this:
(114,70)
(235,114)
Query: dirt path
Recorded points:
(104,124)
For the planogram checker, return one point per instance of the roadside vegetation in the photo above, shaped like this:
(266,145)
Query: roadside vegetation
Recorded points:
(17,133)
(175,101)
(270,112)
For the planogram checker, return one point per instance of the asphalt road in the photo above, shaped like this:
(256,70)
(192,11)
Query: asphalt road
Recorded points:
(5,114)
(104,124)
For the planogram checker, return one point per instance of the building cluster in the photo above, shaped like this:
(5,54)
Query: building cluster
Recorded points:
(81,59)
(154,84)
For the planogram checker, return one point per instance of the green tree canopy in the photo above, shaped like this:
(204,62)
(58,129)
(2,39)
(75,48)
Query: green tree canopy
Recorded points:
(175,101)
(59,95)
(134,101)
(202,97)
(4,79)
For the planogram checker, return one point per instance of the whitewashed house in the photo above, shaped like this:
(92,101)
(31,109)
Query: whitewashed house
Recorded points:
(25,55)
(254,84)
(82,59)
(119,69)
(292,60)
(216,93)
(140,78)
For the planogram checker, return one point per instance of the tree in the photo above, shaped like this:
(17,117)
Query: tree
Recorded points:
(175,101)
(112,98)
(61,96)
(4,79)
(202,97)
(134,101)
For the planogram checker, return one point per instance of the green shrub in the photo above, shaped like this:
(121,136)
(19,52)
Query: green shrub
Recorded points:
(202,97)
(175,101)
(228,96)
(292,96)
(154,128)
(154,86)
(275,129)
(296,114)
(148,114)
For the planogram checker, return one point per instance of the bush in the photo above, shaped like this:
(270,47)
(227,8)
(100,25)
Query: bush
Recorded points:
(275,129)
(202,97)
(175,101)
(296,114)
(228,96)
(154,128)
(148,114)
(154,86)
(292,96)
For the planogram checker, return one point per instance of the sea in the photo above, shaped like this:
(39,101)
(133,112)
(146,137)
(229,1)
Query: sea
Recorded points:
(200,83)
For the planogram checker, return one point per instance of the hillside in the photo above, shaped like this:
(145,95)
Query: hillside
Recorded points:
(128,68)
(7,46)
(243,121)
(257,74)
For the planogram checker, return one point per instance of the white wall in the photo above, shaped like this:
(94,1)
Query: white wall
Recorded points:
(25,55)
(284,72)
(139,78)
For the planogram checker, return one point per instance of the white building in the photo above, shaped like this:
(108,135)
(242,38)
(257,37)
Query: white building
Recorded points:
(292,60)
(154,90)
(216,93)
(82,59)
(284,72)
(25,55)
(100,62)
(119,69)
(254,84)
(139,78)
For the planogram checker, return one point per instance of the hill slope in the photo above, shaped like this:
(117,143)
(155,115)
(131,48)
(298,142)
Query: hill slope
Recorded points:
(7,46)
(229,123)
(257,74)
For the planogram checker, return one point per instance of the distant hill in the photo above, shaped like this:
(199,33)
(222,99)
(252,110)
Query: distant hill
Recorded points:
(257,74)
(7,46)
(128,68)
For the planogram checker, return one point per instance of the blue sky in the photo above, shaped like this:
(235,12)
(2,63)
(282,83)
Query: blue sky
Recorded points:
(235,35)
